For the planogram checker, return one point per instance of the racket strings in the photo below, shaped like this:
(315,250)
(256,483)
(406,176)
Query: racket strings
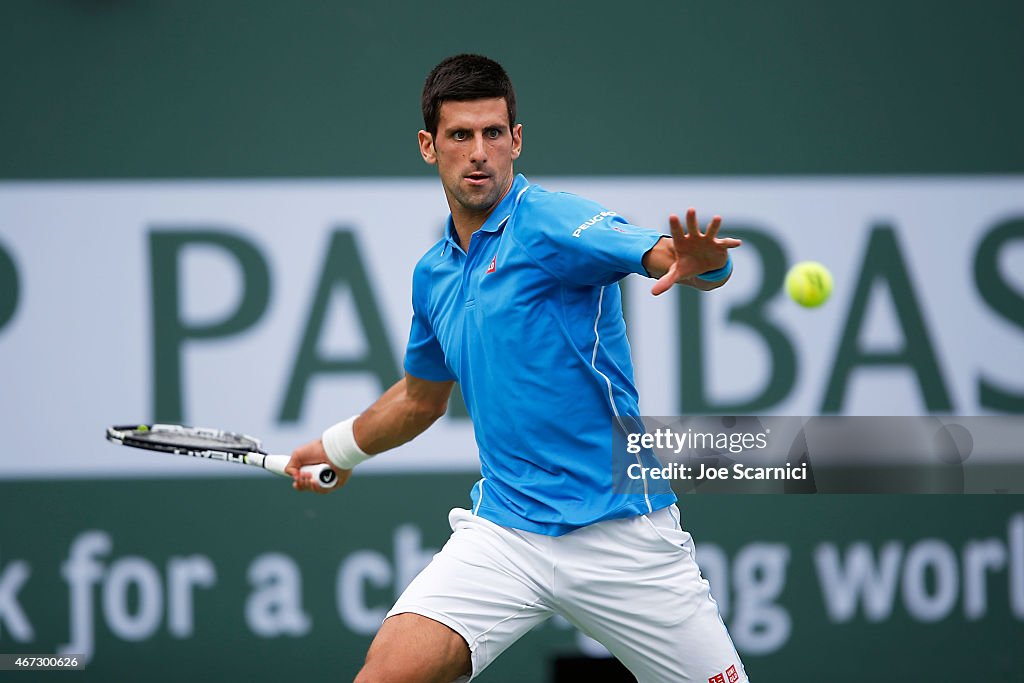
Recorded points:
(196,441)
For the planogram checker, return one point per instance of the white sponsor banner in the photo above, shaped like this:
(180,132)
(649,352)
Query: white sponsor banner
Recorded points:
(77,353)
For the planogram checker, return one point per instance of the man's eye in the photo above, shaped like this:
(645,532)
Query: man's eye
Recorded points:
(460,135)
(493,133)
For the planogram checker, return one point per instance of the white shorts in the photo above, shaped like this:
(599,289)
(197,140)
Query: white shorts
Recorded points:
(632,584)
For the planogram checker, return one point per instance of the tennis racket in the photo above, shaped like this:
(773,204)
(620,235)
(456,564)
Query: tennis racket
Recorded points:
(212,444)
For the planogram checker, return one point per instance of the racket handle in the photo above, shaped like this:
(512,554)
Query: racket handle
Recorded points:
(323,475)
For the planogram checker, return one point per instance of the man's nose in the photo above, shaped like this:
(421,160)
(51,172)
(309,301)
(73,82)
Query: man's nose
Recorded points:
(478,153)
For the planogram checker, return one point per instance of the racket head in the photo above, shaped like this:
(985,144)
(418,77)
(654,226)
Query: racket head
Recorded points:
(183,439)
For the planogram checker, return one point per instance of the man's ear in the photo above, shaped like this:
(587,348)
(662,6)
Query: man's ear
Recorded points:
(426,141)
(517,140)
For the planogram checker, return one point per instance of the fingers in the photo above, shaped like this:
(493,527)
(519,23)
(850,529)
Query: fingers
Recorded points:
(305,482)
(296,462)
(713,227)
(693,249)
(678,236)
(692,228)
(300,480)
(309,454)
(666,281)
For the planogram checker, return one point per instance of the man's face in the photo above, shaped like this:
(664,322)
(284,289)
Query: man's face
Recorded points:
(473,149)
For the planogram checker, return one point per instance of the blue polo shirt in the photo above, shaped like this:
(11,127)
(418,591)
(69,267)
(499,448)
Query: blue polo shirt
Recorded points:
(529,322)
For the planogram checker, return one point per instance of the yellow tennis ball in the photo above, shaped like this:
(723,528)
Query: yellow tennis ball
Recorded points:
(809,283)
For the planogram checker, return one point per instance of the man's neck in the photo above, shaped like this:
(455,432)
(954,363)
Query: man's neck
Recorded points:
(467,221)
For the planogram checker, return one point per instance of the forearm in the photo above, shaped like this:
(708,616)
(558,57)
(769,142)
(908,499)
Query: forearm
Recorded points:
(404,412)
(659,258)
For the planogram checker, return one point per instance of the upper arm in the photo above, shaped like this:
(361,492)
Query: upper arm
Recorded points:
(428,394)
(424,356)
(580,242)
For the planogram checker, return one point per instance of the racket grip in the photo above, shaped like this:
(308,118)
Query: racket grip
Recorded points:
(323,475)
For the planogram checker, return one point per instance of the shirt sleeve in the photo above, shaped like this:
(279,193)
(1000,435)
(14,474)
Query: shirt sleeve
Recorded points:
(424,357)
(580,241)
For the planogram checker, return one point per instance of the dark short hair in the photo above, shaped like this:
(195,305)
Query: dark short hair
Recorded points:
(461,78)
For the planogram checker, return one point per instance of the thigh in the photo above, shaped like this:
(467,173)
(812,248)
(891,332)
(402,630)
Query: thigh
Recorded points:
(410,648)
(637,589)
(483,585)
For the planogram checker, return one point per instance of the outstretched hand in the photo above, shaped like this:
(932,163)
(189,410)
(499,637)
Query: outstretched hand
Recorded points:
(690,253)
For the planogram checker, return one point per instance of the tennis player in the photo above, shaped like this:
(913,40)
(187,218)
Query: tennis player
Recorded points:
(519,303)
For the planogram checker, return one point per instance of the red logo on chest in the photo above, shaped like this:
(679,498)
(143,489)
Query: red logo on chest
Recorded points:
(730,675)
(494,265)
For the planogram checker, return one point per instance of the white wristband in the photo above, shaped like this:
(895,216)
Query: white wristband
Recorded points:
(340,444)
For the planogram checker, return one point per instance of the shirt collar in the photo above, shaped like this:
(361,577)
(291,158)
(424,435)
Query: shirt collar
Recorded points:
(499,215)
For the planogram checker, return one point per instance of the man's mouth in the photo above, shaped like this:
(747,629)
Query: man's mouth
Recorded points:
(477,178)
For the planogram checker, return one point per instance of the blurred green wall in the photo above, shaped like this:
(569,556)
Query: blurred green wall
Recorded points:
(191,88)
